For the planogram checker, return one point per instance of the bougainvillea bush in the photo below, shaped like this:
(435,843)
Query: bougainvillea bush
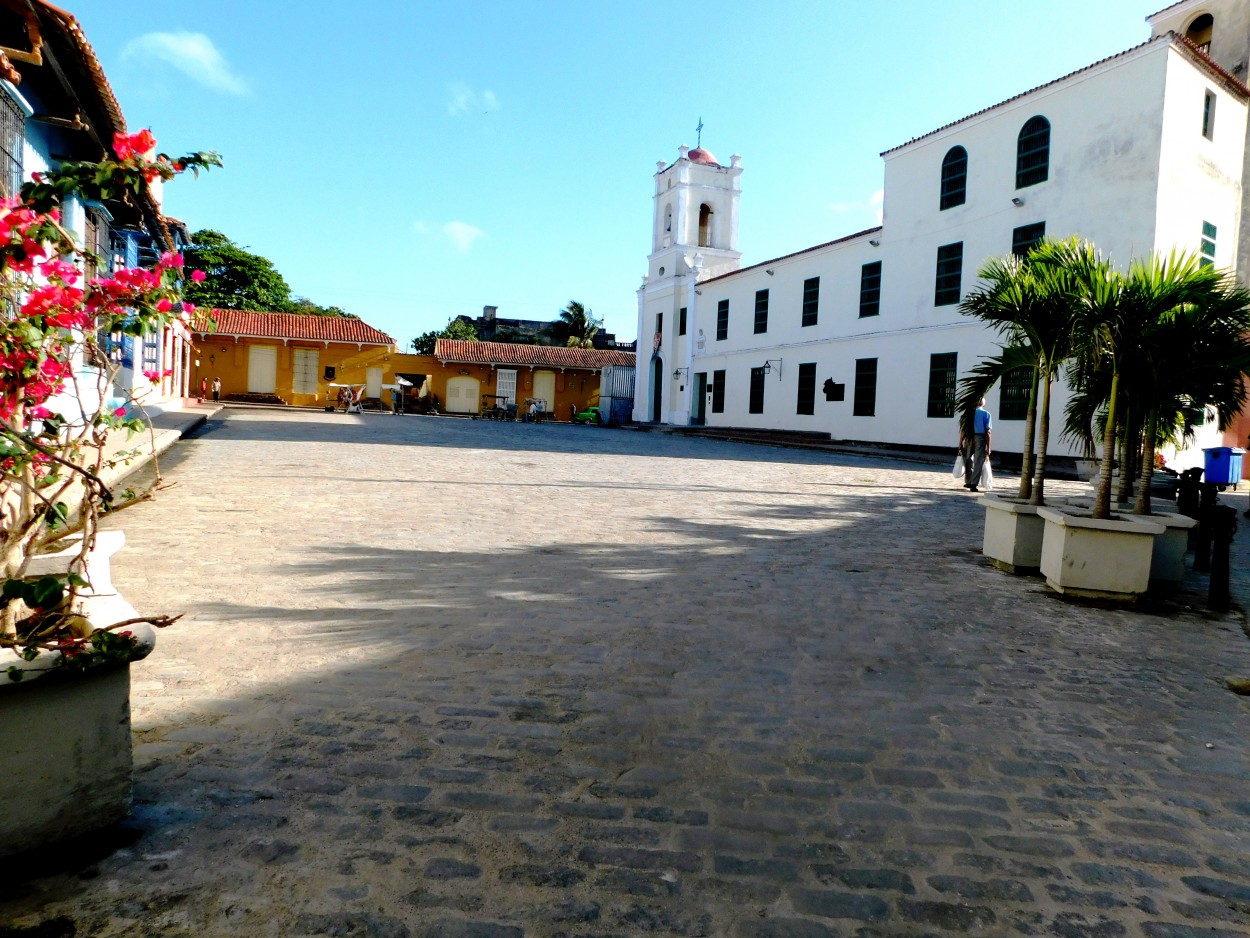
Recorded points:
(57,404)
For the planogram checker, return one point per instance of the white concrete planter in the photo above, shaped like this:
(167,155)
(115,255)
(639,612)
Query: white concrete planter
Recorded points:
(1013,534)
(1099,559)
(1167,564)
(65,735)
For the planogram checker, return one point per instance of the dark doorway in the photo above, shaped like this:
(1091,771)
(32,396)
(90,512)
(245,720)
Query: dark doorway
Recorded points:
(657,389)
(698,415)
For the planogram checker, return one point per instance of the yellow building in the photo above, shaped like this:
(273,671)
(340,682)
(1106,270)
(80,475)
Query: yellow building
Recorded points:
(303,360)
(291,357)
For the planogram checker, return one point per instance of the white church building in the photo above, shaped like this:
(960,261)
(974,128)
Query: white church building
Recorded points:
(861,337)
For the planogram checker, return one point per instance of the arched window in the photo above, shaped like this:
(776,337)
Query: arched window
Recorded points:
(954,177)
(1199,32)
(1033,152)
(705,226)
(668,218)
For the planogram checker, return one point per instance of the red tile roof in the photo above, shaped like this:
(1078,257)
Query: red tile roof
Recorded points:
(544,356)
(1180,43)
(301,326)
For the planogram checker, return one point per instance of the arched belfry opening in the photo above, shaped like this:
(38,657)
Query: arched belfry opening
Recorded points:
(705,225)
(1199,31)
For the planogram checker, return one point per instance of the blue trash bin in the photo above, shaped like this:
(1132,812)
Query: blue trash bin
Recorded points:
(1223,465)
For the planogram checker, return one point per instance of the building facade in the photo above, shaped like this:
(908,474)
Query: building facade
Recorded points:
(861,337)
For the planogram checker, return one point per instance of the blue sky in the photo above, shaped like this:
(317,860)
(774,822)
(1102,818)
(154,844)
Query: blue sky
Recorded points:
(412,161)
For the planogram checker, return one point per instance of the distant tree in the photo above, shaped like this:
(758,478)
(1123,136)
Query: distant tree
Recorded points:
(236,278)
(302,304)
(576,326)
(455,329)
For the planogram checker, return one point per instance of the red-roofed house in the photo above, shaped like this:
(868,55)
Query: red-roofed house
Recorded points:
(294,357)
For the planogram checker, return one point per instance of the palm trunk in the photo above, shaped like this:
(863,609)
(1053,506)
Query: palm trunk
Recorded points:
(1142,506)
(1102,504)
(1124,487)
(1026,455)
(1043,444)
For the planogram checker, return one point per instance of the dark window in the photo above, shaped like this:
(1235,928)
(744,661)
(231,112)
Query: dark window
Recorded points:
(756,405)
(942,384)
(761,311)
(1208,116)
(12,134)
(681,321)
(722,320)
(811,300)
(950,264)
(1026,237)
(954,178)
(1208,245)
(807,388)
(1033,152)
(97,245)
(718,392)
(659,325)
(870,289)
(865,388)
(1013,398)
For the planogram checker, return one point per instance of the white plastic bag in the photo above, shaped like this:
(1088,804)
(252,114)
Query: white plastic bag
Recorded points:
(987,476)
(958,471)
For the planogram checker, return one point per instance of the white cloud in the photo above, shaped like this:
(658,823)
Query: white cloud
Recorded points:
(193,54)
(464,99)
(462,235)
(874,202)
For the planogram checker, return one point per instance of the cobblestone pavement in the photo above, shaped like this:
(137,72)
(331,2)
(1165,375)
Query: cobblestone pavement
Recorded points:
(469,680)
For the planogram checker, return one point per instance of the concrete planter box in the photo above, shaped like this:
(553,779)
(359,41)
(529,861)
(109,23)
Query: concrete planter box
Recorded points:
(1167,564)
(1097,559)
(65,735)
(1013,534)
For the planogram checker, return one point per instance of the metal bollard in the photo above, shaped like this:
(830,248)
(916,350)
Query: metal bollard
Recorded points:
(1223,527)
(1205,528)
(1187,492)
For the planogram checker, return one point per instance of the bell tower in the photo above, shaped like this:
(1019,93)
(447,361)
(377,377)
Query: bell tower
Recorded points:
(695,212)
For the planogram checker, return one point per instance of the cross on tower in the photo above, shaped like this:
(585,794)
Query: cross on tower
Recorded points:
(699,131)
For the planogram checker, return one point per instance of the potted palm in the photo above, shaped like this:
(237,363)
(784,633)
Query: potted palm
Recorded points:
(66,638)
(1030,301)
(1138,347)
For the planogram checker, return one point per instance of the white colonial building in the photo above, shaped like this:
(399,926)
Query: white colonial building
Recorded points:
(861,337)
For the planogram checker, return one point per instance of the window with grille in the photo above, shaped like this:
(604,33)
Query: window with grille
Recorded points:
(305,368)
(681,321)
(1208,245)
(954,178)
(151,351)
(1208,115)
(97,245)
(811,300)
(756,404)
(865,404)
(1033,152)
(1026,237)
(505,385)
(807,388)
(942,384)
(950,263)
(1013,396)
(870,289)
(761,311)
(722,320)
(12,135)
(718,392)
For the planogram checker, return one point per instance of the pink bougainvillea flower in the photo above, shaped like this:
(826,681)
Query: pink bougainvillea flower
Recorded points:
(198,276)
(164,306)
(120,412)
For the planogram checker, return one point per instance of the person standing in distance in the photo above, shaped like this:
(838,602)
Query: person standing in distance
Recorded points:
(977,450)
(216,389)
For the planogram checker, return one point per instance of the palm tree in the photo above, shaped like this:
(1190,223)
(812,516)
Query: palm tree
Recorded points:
(580,324)
(1164,340)
(1030,300)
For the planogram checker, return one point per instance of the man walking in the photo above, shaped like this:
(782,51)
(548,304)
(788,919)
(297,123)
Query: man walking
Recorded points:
(977,450)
